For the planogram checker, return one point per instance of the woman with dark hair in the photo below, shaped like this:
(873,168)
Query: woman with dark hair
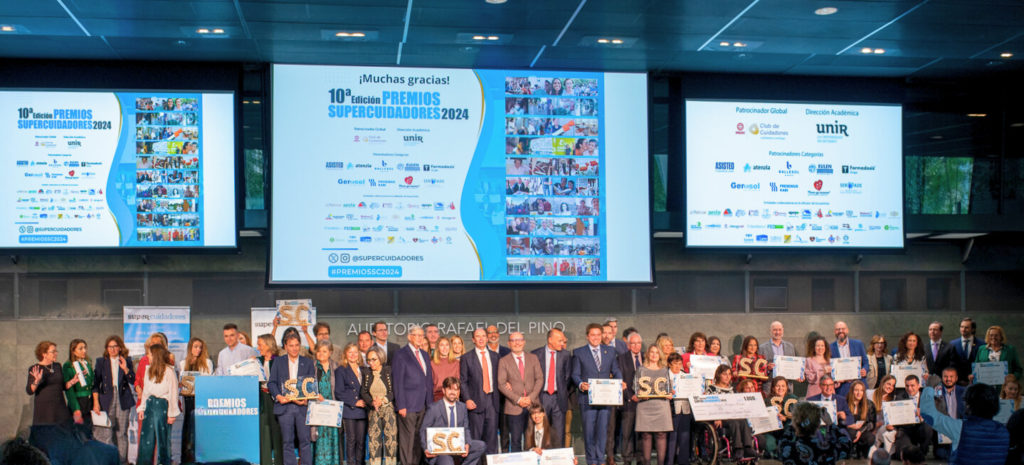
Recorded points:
(197,360)
(678,450)
(78,379)
(739,431)
(886,392)
(158,408)
(910,354)
(861,424)
(805,443)
(817,365)
(46,384)
(348,380)
(783,400)
(377,391)
(715,349)
(697,346)
(538,435)
(112,393)
(748,350)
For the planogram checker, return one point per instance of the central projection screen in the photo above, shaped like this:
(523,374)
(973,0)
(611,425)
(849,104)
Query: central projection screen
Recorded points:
(793,175)
(435,176)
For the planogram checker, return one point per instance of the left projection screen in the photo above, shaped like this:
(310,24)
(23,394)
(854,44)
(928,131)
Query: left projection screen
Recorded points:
(117,169)
(418,175)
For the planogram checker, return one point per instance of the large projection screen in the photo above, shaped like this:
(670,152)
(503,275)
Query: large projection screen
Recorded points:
(418,175)
(121,169)
(791,175)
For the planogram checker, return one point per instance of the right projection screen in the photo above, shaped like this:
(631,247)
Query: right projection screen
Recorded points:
(793,175)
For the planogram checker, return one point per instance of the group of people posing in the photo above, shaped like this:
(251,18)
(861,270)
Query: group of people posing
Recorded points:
(509,399)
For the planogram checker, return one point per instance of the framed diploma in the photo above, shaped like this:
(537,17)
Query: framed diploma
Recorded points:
(249,367)
(752,367)
(900,371)
(686,385)
(653,387)
(769,422)
(900,412)
(557,456)
(830,409)
(991,373)
(324,413)
(516,458)
(737,406)
(845,368)
(294,312)
(791,368)
(446,441)
(604,392)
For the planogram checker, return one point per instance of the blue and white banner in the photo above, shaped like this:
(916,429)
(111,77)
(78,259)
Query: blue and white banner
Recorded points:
(227,404)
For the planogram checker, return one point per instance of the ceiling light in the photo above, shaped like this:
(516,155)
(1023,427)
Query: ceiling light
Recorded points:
(246,102)
(739,44)
(1017,125)
(976,115)
(341,34)
(825,11)
(866,50)
(496,2)
(218,31)
(479,38)
(256,102)
(724,43)
(358,34)
(936,137)
(879,51)
(617,41)
(603,41)
(6,28)
(202,30)
(1006,55)
(492,37)
(957,235)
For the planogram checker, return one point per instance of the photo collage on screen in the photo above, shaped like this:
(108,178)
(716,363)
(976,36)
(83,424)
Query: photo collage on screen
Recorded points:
(552,188)
(167,181)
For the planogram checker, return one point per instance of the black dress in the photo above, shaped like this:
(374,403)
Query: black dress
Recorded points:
(50,407)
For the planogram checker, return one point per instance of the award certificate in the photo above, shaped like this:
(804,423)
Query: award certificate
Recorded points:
(770,422)
(250,367)
(830,408)
(704,365)
(687,385)
(736,406)
(324,413)
(604,392)
(557,456)
(991,373)
(791,368)
(516,458)
(900,412)
(845,368)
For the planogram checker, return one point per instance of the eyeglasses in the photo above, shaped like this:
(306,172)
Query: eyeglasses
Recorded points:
(368,359)
(113,346)
(827,384)
(516,340)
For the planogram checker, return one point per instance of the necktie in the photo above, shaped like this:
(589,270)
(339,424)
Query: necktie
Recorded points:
(419,358)
(451,416)
(522,372)
(487,374)
(935,350)
(597,358)
(551,375)
(636,361)
(966,352)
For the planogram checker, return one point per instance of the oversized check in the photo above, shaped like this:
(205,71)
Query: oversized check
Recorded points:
(734,406)
(771,422)
(324,413)
(249,367)
(604,391)
(830,408)
(991,373)
(845,368)
(788,367)
(557,456)
(516,458)
(446,441)
(704,365)
(900,412)
(900,371)
(687,384)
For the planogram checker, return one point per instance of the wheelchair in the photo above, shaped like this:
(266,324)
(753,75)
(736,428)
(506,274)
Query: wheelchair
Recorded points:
(711,446)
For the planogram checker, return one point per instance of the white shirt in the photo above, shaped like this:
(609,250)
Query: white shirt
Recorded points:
(993,355)
(448,413)
(229,356)
(114,366)
(844,349)
(383,347)
(293,368)
(165,389)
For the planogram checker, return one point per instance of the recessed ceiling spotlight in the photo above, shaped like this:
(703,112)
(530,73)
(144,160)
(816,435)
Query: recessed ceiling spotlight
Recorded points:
(603,41)
(479,38)
(1006,55)
(202,30)
(976,115)
(739,44)
(6,28)
(496,2)
(866,50)
(724,43)
(825,11)
(879,51)
(936,137)
(617,41)
(256,102)
(1017,125)
(218,31)
(492,37)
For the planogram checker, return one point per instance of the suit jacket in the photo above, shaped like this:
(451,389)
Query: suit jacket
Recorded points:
(1008,354)
(519,386)
(628,370)
(936,365)
(502,351)
(963,360)
(278,376)
(840,406)
(940,400)
(620,346)
(392,350)
(364,389)
(872,377)
(437,417)
(346,389)
(563,369)
(766,350)
(856,350)
(584,368)
(471,378)
(104,385)
(414,390)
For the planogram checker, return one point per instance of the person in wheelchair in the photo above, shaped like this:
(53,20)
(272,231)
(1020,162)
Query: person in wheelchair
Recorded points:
(738,432)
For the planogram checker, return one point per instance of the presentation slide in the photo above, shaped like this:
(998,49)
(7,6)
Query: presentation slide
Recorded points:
(101,169)
(405,175)
(794,175)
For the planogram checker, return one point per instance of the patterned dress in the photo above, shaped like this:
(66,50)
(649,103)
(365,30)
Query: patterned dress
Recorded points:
(327,437)
(829,445)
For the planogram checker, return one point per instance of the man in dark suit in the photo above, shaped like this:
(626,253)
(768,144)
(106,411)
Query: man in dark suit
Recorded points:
(450,413)
(291,414)
(949,399)
(937,354)
(965,349)
(618,344)
(414,391)
(556,365)
(519,381)
(846,347)
(478,372)
(828,393)
(594,361)
(917,435)
(625,416)
(494,344)
(380,334)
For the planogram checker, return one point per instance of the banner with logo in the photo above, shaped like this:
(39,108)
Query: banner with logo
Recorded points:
(227,404)
(263,323)
(139,324)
